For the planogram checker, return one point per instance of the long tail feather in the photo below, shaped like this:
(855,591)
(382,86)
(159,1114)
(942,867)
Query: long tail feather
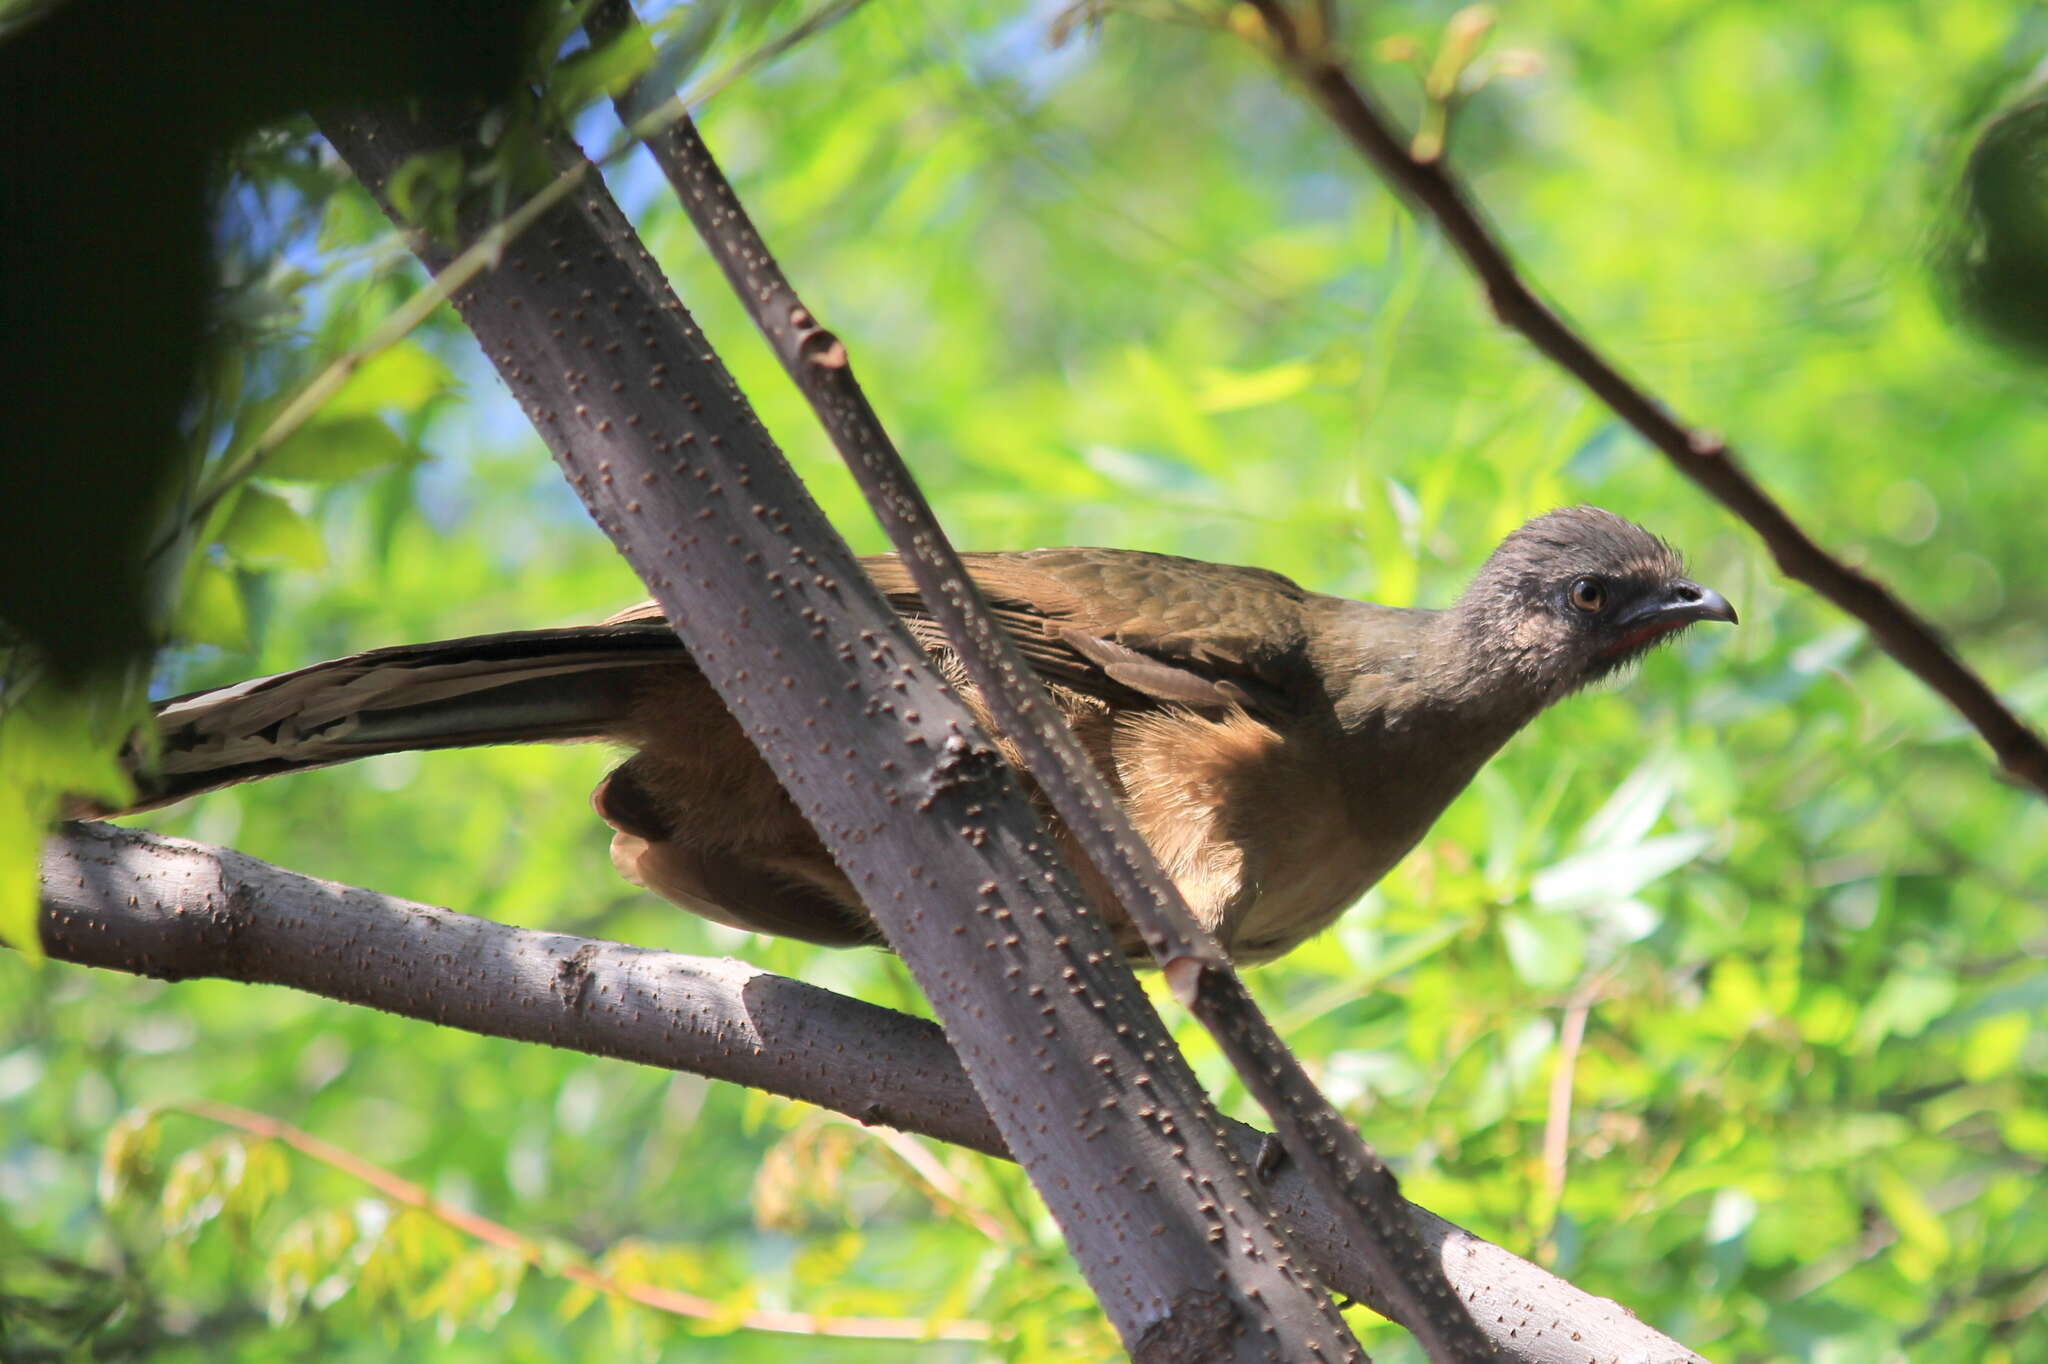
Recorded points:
(527,686)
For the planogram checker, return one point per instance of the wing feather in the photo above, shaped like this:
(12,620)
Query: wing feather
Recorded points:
(1124,624)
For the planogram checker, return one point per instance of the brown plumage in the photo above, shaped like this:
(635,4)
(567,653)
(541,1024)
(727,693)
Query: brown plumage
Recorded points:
(1279,749)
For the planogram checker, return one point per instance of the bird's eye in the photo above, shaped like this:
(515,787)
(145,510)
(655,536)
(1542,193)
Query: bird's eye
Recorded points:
(1589,595)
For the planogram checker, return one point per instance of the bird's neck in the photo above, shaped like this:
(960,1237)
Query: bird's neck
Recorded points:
(1473,664)
(1419,709)
(1391,669)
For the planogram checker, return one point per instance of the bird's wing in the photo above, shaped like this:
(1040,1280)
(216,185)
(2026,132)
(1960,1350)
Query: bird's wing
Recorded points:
(1111,623)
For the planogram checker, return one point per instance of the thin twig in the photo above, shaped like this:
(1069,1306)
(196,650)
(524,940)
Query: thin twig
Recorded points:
(945,1188)
(407,1194)
(1309,54)
(1557,1121)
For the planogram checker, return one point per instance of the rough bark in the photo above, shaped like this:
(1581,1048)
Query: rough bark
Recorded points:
(130,901)
(1359,1187)
(1082,1080)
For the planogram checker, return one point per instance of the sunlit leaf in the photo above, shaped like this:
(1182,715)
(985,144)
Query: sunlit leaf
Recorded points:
(211,610)
(263,531)
(131,1147)
(1995,1046)
(402,380)
(1222,391)
(1547,949)
(1906,1205)
(326,451)
(1613,873)
(1633,810)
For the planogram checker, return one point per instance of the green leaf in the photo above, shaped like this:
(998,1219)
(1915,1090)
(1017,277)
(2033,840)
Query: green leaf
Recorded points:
(1632,811)
(328,451)
(424,190)
(211,610)
(611,68)
(1919,1225)
(308,1253)
(266,1173)
(1909,999)
(24,814)
(264,531)
(402,379)
(576,1300)
(130,1149)
(1226,391)
(2025,1129)
(1735,1001)
(1614,873)
(1546,950)
(350,219)
(1995,1046)
(195,1191)
(56,741)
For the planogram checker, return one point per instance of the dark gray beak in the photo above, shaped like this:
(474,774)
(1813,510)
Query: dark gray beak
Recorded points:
(1680,602)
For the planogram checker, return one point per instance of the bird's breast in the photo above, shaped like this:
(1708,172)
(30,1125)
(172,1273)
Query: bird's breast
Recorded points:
(1250,820)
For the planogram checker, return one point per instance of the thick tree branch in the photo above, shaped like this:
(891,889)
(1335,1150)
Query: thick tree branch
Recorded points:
(1307,53)
(1360,1188)
(1083,1080)
(126,900)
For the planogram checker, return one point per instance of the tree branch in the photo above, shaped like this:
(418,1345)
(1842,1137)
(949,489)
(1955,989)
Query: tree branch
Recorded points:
(884,762)
(1358,1185)
(1307,53)
(131,901)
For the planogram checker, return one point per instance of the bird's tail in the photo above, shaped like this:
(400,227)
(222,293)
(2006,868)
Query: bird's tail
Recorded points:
(528,686)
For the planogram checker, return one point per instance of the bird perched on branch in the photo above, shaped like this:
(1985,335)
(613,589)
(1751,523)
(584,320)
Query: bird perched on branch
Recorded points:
(1280,750)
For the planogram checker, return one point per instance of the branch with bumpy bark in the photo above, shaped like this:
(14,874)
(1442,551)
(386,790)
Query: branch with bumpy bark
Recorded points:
(1357,1186)
(126,900)
(1302,43)
(1082,1079)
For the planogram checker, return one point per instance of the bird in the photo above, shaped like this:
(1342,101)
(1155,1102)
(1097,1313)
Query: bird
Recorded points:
(1280,750)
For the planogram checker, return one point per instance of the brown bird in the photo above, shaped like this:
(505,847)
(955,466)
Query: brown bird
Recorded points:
(1279,749)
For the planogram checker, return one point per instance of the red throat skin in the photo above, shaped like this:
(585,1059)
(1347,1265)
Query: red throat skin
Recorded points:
(1642,635)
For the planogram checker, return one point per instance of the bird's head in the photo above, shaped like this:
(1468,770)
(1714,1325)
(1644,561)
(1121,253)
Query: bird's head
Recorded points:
(1569,598)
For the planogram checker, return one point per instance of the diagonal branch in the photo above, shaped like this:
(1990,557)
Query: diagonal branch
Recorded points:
(127,900)
(879,757)
(1306,52)
(1360,1188)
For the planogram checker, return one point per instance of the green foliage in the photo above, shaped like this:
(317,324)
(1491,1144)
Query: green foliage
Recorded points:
(328,451)
(1995,259)
(1754,939)
(55,742)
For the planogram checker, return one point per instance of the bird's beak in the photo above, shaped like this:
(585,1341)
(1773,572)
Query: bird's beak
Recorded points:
(1680,603)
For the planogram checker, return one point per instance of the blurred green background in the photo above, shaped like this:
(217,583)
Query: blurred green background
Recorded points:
(1720,992)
